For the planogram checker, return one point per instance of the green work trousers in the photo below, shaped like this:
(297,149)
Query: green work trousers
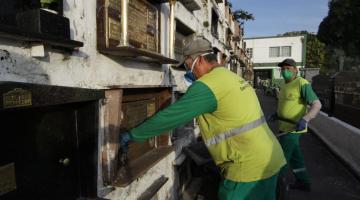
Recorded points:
(294,157)
(256,190)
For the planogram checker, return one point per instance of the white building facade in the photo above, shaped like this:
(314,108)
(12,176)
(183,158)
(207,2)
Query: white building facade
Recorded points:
(267,52)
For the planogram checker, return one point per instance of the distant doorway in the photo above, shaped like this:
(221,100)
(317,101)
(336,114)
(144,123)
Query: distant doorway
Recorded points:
(262,76)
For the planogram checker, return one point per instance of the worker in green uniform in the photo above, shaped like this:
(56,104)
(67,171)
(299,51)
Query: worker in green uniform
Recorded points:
(293,117)
(232,126)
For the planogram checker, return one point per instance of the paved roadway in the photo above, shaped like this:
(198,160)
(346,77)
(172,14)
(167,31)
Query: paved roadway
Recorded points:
(330,179)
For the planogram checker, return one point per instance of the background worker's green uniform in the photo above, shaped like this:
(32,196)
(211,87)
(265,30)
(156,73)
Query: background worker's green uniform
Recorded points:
(292,106)
(233,128)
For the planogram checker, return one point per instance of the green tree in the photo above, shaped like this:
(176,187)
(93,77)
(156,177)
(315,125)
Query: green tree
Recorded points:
(243,15)
(295,33)
(341,28)
(316,53)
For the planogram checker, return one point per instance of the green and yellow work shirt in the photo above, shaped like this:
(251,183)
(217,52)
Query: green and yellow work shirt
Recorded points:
(231,122)
(292,104)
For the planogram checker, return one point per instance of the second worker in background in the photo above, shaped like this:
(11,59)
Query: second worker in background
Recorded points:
(293,118)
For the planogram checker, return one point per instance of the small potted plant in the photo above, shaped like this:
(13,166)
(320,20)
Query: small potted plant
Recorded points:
(50,5)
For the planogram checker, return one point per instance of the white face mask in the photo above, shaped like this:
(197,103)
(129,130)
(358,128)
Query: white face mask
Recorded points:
(192,66)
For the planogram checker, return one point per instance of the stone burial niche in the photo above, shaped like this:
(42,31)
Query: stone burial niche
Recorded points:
(49,141)
(125,108)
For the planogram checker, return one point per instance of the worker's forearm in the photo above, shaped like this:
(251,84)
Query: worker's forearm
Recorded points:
(162,122)
(198,99)
(313,111)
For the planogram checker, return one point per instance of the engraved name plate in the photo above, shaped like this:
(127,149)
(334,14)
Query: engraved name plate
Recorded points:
(17,98)
(7,178)
(143,28)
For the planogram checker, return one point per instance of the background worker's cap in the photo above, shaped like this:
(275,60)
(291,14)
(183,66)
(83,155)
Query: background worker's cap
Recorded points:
(288,62)
(196,48)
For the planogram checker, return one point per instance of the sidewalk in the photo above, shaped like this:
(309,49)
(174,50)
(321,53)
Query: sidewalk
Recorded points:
(330,179)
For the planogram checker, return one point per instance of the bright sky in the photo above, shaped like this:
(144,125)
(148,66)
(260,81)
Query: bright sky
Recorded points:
(273,17)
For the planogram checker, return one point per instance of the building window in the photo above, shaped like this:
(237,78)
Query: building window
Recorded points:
(286,51)
(183,36)
(214,23)
(283,51)
(249,52)
(274,52)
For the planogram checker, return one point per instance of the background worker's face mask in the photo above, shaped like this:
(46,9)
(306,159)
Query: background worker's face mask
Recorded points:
(287,74)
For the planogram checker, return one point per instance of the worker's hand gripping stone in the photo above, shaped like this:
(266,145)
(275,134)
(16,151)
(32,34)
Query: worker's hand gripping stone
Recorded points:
(124,139)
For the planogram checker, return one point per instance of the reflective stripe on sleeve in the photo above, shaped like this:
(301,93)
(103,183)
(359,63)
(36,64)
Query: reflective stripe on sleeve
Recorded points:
(299,170)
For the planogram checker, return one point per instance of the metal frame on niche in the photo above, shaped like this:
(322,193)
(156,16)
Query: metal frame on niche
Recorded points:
(130,28)
(125,108)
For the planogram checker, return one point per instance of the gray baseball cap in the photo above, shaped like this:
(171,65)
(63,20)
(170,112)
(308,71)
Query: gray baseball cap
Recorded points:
(195,48)
(288,62)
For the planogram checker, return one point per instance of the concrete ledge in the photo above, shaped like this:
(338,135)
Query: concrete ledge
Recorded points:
(342,138)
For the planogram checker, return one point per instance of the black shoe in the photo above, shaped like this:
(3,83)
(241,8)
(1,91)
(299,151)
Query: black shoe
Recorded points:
(299,185)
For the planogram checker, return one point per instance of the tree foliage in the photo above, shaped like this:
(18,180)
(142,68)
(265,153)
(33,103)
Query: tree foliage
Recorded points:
(341,28)
(243,15)
(229,4)
(315,52)
(295,33)
(315,49)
